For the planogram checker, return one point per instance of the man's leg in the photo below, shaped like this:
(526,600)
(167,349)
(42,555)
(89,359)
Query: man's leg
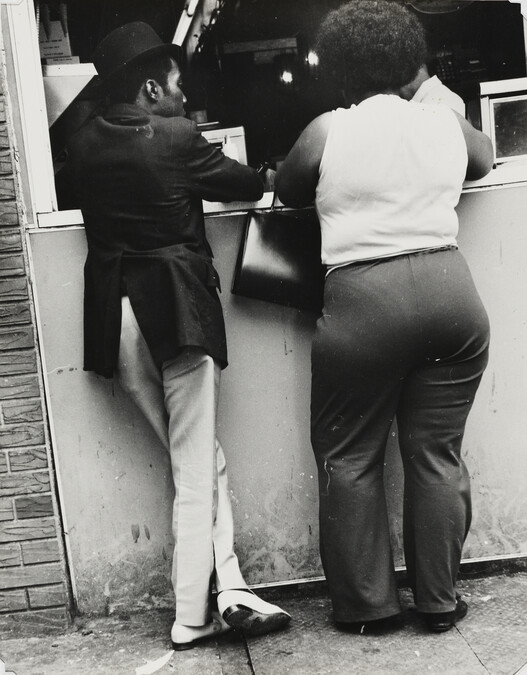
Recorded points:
(139,376)
(203,524)
(228,573)
(188,389)
(202,510)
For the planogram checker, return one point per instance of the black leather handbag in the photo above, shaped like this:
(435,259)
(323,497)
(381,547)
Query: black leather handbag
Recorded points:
(279,259)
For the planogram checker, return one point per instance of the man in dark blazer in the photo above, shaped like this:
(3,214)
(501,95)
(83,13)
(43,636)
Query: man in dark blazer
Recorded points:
(152,313)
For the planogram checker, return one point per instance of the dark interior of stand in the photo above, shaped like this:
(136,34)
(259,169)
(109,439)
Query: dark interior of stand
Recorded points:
(479,41)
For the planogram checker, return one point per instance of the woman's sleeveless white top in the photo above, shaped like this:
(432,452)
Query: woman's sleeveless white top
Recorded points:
(390,178)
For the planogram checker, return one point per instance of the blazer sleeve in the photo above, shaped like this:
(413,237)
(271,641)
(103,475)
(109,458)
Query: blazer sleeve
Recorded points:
(214,177)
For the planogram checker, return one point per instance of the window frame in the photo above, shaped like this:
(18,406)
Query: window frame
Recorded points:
(35,140)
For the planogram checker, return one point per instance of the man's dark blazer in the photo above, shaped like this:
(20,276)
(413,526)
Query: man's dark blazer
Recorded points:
(140,179)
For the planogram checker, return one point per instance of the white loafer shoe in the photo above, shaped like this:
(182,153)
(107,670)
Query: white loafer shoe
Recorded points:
(185,637)
(244,610)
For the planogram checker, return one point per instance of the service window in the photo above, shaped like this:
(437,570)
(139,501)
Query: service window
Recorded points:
(251,65)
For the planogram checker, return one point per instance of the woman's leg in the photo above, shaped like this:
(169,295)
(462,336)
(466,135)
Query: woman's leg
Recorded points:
(437,507)
(359,359)
(435,402)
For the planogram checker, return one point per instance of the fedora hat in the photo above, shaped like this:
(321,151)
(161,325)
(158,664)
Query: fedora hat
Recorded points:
(129,44)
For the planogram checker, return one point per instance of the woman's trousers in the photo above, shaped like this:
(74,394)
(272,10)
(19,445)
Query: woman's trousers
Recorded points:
(180,402)
(403,338)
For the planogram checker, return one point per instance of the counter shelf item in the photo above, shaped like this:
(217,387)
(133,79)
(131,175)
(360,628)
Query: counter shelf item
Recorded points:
(504,118)
(230,140)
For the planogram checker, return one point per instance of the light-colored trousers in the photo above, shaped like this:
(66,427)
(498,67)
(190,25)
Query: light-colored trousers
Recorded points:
(180,402)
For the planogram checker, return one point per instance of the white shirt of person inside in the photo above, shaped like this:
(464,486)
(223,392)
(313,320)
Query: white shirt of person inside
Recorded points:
(433,90)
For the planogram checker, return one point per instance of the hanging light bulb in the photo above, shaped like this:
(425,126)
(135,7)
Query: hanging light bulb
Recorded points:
(286,77)
(312,58)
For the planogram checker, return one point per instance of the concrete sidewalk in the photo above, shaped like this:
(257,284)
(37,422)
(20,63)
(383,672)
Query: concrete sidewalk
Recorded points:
(491,639)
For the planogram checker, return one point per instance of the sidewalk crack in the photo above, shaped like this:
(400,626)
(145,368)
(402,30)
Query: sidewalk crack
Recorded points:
(249,659)
(472,650)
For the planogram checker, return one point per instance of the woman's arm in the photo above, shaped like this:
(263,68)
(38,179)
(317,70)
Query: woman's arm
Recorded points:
(297,178)
(479,148)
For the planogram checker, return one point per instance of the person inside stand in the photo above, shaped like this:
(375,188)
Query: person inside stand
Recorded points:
(403,333)
(152,316)
(425,88)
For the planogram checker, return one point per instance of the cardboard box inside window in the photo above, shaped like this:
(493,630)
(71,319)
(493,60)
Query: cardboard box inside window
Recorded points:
(54,42)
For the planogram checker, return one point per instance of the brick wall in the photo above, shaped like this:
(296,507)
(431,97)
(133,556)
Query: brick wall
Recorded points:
(33,579)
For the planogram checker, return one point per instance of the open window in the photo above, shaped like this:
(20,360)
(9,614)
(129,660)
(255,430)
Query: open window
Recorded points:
(250,68)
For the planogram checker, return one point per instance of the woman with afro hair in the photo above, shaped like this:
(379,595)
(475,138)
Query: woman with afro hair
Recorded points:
(403,334)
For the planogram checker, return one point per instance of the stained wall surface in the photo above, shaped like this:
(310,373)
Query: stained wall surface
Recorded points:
(115,478)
